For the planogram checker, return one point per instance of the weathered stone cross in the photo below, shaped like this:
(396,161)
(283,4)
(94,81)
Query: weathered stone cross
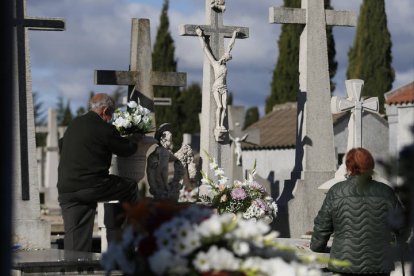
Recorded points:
(215,32)
(315,152)
(357,106)
(140,78)
(314,77)
(24,23)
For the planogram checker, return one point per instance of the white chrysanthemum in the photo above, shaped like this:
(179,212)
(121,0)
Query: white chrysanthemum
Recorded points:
(187,245)
(250,229)
(201,262)
(241,248)
(132,104)
(211,227)
(221,259)
(213,165)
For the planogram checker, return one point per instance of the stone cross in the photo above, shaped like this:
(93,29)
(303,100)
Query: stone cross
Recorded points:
(357,106)
(24,23)
(215,32)
(315,152)
(26,203)
(52,161)
(140,78)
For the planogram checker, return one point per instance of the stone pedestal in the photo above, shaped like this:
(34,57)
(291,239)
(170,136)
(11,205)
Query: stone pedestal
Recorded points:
(301,211)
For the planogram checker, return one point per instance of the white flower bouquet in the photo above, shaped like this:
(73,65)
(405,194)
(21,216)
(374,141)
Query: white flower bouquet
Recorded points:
(247,197)
(132,119)
(182,239)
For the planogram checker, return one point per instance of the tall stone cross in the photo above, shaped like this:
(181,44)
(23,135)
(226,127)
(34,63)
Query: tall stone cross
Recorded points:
(356,106)
(314,81)
(215,32)
(315,152)
(24,81)
(140,78)
(26,205)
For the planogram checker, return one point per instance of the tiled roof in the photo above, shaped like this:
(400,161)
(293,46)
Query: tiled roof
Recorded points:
(278,128)
(402,95)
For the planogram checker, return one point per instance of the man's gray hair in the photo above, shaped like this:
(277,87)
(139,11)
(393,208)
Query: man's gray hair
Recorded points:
(101,100)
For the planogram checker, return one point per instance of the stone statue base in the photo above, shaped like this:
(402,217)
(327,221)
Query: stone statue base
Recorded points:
(220,134)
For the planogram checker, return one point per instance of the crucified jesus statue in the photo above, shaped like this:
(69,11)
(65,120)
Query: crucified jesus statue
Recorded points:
(219,88)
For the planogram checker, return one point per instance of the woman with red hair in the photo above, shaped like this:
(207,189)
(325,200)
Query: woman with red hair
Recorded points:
(356,212)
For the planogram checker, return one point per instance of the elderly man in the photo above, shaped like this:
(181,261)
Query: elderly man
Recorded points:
(83,174)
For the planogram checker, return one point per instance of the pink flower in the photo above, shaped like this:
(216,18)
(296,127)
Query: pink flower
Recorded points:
(261,204)
(238,194)
(257,186)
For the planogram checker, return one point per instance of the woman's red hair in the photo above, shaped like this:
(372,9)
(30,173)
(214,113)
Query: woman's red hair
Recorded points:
(359,161)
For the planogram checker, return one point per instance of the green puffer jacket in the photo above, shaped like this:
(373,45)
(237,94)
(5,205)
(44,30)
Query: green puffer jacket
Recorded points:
(356,211)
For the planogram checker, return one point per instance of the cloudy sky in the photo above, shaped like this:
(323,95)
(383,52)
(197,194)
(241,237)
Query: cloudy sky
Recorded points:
(97,36)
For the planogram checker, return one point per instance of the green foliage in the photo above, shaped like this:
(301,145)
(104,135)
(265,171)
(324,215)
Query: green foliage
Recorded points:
(118,95)
(186,105)
(252,116)
(190,107)
(64,113)
(39,112)
(163,59)
(285,81)
(370,56)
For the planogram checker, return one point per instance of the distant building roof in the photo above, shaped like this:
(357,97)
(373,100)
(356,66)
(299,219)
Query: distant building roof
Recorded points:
(402,95)
(278,128)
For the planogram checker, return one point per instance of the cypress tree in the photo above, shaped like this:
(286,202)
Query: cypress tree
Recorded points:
(190,108)
(163,59)
(251,117)
(370,56)
(285,81)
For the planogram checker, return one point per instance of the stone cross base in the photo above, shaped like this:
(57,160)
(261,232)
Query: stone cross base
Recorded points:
(39,233)
(306,203)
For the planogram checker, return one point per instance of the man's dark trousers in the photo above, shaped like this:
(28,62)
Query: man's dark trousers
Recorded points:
(79,208)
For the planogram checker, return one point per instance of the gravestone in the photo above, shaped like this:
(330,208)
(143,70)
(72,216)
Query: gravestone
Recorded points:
(215,32)
(315,152)
(357,106)
(140,80)
(52,162)
(26,207)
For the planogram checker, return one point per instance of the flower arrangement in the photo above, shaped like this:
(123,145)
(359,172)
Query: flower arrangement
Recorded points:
(166,238)
(134,119)
(247,197)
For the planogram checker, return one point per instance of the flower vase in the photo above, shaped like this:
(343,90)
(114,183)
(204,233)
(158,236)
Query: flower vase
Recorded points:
(134,165)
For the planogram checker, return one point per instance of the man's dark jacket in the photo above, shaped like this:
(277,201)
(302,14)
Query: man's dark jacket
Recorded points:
(356,211)
(86,151)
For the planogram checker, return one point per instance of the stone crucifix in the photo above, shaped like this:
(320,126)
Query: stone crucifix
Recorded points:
(214,33)
(140,78)
(23,24)
(315,151)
